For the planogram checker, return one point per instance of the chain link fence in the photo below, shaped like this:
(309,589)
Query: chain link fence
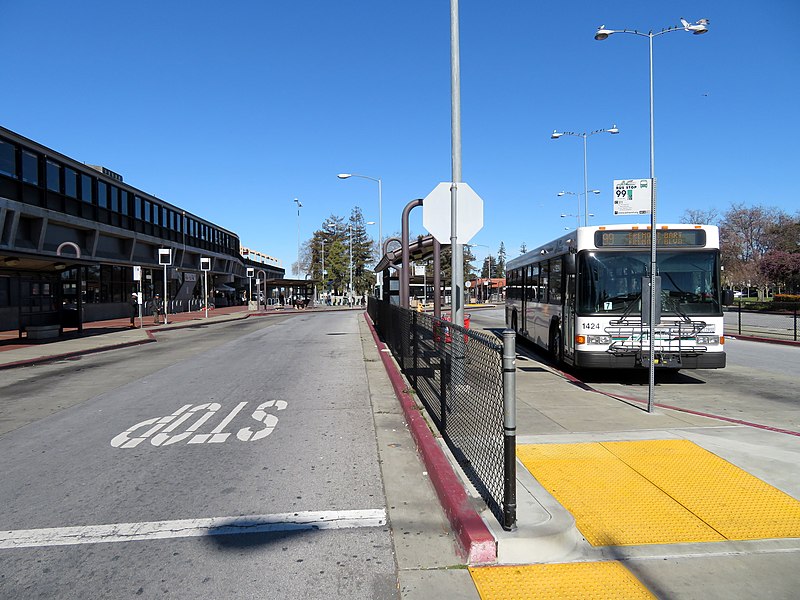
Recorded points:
(458,375)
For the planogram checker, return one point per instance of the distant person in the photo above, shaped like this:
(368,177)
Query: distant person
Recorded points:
(158,308)
(134,308)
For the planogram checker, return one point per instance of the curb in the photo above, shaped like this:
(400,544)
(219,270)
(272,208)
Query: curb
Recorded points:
(751,338)
(476,542)
(47,359)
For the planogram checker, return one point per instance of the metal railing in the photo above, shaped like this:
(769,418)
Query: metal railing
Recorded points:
(465,380)
(773,325)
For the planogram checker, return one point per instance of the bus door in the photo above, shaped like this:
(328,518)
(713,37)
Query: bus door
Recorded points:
(568,317)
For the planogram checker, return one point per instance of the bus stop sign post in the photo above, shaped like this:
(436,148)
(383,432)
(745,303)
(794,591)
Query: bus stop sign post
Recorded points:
(205,267)
(165,258)
(137,276)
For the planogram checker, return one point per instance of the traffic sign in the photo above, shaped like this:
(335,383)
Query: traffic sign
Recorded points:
(436,213)
(633,196)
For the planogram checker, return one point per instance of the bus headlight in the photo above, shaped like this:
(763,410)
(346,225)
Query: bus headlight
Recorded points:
(602,340)
(708,340)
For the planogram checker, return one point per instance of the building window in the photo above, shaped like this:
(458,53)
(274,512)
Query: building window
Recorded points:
(114,201)
(30,168)
(102,194)
(148,212)
(86,188)
(137,207)
(124,199)
(156,210)
(70,183)
(53,176)
(8,159)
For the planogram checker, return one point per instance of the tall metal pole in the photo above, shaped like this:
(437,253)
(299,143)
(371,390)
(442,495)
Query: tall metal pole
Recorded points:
(299,204)
(380,232)
(166,296)
(651,385)
(350,235)
(585,186)
(205,291)
(457,251)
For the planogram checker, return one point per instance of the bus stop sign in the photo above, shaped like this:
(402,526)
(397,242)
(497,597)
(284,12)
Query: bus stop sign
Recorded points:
(436,213)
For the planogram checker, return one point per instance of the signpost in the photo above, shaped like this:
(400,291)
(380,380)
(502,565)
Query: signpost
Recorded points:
(137,276)
(205,267)
(165,258)
(250,273)
(633,196)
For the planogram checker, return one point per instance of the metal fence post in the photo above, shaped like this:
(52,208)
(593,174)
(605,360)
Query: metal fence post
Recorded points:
(509,430)
(740,317)
(795,324)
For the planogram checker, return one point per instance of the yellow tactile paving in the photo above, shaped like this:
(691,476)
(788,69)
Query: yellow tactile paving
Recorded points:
(738,505)
(659,491)
(612,504)
(584,581)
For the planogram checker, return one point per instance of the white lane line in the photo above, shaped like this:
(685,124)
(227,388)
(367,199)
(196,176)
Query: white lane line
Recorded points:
(153,530)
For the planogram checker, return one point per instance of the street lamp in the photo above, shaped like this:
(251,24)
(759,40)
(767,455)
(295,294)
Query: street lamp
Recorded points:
(602,33)
(557,134)
(299,206)
(578,196)
(380,213)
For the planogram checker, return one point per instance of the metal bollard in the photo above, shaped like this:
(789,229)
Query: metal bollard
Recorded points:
(509,430)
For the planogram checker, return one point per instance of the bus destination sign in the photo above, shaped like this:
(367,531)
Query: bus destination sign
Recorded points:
(666,238)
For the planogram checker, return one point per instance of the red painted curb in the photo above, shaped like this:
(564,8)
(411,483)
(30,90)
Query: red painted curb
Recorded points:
(476,542)
(751,338)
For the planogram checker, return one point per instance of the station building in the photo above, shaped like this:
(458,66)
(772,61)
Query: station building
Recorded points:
(72,233)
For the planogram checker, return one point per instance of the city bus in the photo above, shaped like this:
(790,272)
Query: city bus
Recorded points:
(580,297)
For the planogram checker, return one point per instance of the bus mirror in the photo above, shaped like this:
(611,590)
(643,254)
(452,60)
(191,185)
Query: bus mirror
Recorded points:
(570,264)
(727,297)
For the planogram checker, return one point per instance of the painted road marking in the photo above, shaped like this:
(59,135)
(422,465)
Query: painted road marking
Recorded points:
(154,530)
(165,431)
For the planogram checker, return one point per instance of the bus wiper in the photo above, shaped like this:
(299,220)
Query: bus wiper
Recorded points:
(632,301)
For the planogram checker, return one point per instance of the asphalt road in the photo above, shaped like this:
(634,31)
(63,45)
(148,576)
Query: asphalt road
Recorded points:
(267,418)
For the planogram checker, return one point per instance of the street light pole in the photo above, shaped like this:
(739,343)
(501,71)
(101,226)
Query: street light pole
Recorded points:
(380,214)
(557,134)
(350,235)
(299,205)
(578,196)
(698,28)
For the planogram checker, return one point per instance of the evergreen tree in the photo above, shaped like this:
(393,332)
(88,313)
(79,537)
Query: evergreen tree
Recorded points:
(501,261)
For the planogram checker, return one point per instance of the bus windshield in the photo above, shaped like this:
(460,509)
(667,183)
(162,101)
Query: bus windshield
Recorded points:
(611,282)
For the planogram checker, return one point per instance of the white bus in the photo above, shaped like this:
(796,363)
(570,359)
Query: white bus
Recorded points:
(580,297)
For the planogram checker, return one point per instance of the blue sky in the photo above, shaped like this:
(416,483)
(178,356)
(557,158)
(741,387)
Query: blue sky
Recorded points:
(232,110)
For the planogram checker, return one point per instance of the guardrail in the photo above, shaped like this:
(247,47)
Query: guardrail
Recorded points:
(466,381)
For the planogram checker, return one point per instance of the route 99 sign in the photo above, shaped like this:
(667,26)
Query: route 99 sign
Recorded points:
(202,424)
(633,196)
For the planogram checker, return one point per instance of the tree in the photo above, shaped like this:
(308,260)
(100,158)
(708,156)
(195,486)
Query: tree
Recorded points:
(501,261)
(489,268)
(523,248)
(445,262)
(363,277)
(699,216)
(782,269)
